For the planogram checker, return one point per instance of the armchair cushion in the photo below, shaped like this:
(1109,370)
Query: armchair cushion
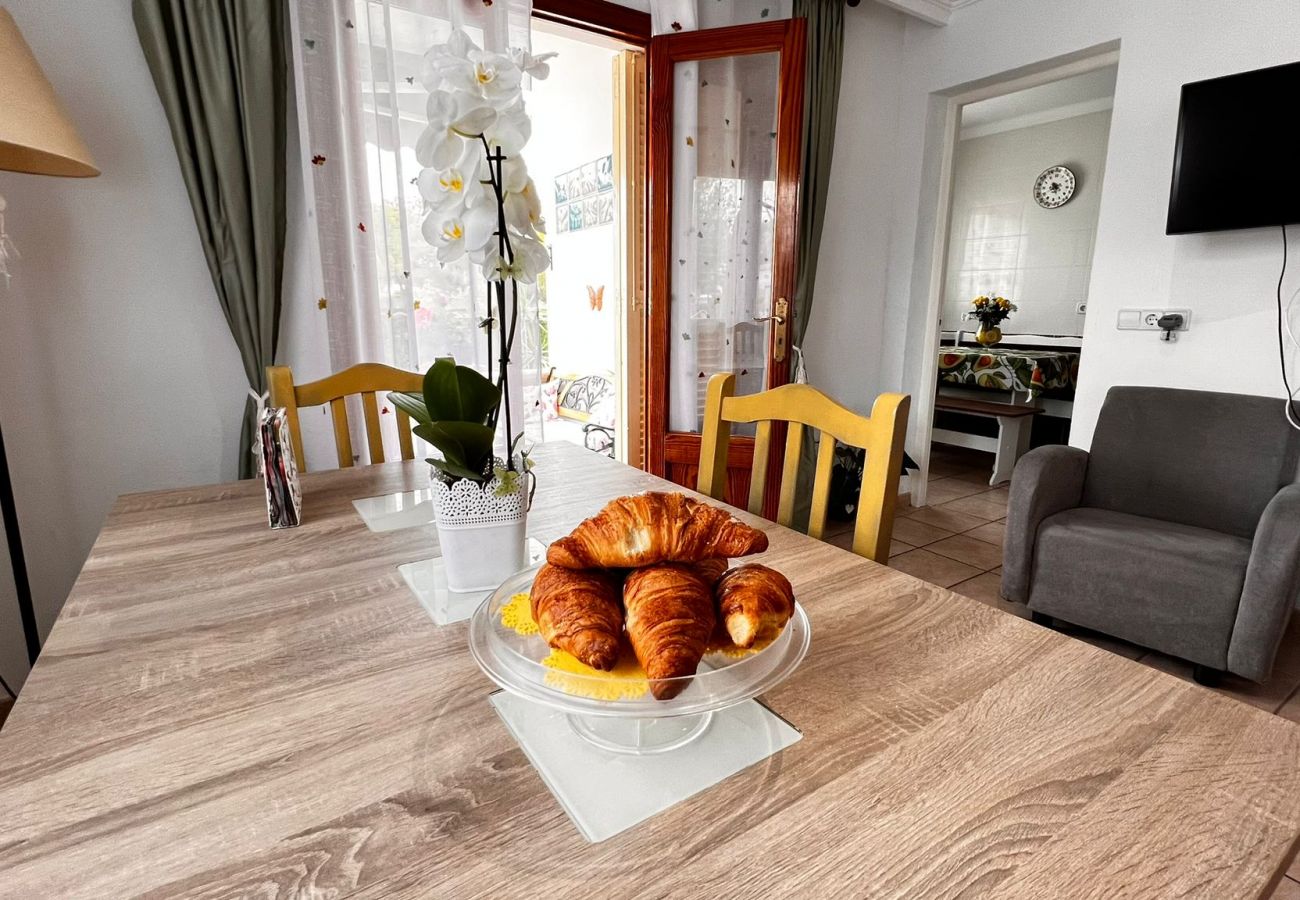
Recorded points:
(1160,584)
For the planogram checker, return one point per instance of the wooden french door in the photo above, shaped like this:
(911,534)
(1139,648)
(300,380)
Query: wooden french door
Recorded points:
(725,123)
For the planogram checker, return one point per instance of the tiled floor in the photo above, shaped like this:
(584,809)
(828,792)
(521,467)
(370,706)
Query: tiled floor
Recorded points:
(956,541)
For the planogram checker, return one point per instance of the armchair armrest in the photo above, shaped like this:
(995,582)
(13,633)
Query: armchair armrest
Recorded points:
(1047,480)
(1271,587)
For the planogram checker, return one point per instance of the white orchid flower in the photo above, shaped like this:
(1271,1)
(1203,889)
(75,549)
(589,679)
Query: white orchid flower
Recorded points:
(476,101)
(534,66)
(453,118)
(524,209)
(530,258)
(449,61)
(481,221)
(510,131)
(449,190)
(447,234)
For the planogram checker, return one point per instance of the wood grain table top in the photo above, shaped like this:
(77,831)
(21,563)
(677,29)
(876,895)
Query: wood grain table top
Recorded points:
(225,711)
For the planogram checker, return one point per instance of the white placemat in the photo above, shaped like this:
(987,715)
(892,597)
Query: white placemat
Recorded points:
(605,793)
(428,581)
(390,512)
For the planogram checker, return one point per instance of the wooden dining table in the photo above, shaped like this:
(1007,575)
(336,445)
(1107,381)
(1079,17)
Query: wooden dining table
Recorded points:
(222,710)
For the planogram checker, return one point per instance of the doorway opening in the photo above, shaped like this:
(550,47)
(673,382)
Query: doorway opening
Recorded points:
(589,197)
(1020,194)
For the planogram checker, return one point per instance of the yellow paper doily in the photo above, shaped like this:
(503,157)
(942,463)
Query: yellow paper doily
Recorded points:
(627,680)
(517,615)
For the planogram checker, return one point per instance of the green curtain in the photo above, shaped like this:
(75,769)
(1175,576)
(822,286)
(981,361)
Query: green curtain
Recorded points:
(220,70)
(824,60)
(823,63)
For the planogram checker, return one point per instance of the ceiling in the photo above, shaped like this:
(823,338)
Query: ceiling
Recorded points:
(1078,95)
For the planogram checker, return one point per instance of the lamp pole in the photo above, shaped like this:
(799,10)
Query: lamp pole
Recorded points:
(22,587)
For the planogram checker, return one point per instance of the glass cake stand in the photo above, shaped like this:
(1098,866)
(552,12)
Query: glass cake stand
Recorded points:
(635,722)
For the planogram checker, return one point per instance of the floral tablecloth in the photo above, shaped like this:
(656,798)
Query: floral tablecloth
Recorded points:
(1028,371)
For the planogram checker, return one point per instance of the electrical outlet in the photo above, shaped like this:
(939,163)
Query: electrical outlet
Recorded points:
(1148,319)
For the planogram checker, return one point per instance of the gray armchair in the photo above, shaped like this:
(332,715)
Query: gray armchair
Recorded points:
(1179,530)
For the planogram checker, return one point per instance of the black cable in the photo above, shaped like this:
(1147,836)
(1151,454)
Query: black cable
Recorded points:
(1281,343)
(8,689)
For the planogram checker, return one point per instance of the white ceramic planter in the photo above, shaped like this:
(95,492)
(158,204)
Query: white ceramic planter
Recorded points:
(482,532)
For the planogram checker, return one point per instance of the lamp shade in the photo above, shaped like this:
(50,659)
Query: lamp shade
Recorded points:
(35,133)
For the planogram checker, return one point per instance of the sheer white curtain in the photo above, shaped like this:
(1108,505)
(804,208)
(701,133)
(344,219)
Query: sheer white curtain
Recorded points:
(363,265)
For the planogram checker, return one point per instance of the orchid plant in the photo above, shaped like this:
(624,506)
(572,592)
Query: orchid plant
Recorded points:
(481,203)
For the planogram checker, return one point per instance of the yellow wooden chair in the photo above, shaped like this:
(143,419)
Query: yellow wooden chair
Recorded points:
(366,379)
(881,436)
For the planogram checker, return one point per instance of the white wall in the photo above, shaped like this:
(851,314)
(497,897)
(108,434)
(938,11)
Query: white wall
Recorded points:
(565,136)
(1227,279)
(1002,242)
(845,342)
(117,371)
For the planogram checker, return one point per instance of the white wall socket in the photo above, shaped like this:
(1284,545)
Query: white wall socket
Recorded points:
(1146,319)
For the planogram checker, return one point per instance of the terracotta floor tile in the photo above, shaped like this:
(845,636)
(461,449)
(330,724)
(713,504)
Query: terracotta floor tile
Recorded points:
(941,517)
(970,550)
(942,490)
(918,534)
(834,528)
(987,589)
(992,533)
(933,568)
(979,506)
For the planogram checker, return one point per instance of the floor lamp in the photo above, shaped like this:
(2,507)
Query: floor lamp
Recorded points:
(36,136)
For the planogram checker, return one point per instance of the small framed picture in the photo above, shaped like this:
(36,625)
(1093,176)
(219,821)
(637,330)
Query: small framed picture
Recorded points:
(605,209)
(562,217)
(572,184)
(590,212)
(588,179)
(561,189)
(575,216)
(605,173)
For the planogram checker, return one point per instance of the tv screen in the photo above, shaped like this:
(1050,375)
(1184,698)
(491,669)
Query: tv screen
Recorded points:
(1237,159)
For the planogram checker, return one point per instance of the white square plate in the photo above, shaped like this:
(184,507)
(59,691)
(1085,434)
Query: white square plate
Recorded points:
(390,512)
(583,777)
(428,581)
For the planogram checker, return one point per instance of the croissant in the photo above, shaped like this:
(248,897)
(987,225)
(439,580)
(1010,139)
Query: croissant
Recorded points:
(753,599)
(654,527)
(670,618)
(710,570)
(578,612)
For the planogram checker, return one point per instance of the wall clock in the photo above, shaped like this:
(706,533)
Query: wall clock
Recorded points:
(1054,187)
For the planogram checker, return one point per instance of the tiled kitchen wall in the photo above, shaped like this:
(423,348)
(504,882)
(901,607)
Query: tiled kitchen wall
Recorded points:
(1002,242)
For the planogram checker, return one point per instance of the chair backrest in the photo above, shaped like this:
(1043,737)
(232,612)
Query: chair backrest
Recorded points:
(366,379)
(1194,457)
(880,436)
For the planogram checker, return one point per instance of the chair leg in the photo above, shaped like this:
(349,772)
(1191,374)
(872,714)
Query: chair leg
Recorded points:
(1207,676)
(1041,619)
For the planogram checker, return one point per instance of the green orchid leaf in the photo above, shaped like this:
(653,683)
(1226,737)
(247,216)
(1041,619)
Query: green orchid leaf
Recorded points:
(411,404)
(455,471)
(465,444)
(455,393)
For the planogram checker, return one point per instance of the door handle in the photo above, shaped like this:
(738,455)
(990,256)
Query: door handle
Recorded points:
(778,333)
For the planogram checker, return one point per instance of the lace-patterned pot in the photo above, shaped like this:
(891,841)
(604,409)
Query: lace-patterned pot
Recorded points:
(482,530)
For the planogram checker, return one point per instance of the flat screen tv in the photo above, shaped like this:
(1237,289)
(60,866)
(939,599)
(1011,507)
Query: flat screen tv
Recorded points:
(1237,159)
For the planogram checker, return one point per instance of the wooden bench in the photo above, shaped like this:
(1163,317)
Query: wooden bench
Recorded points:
(1014,425)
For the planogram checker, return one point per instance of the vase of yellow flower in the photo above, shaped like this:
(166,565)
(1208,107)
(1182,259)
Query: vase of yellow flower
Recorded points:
(991,313)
